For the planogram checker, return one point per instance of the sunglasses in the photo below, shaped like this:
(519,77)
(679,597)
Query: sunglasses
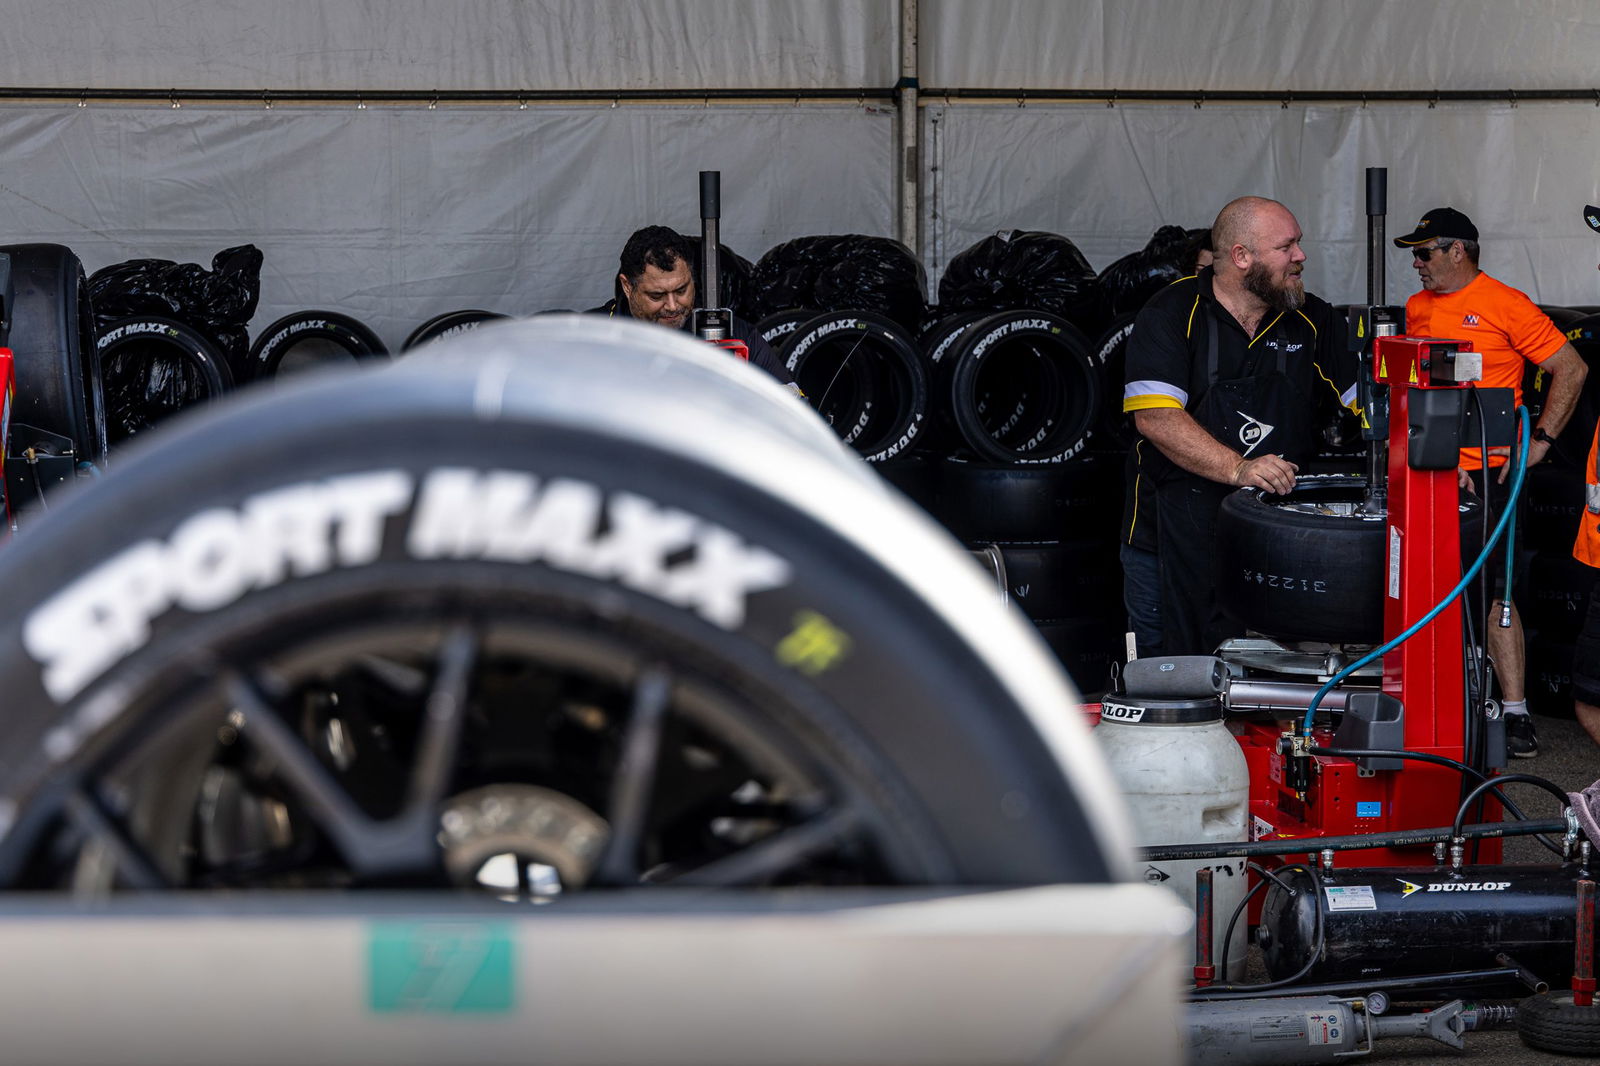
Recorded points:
(1426,254)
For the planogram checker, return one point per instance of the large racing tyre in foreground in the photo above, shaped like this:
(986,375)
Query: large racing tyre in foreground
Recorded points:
(58,387)
(1311,565)
(518,620)
(311,338)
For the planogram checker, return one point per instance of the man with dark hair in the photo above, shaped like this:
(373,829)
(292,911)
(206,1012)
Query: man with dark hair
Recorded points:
(1221,369)
(656,283)
(1461,302)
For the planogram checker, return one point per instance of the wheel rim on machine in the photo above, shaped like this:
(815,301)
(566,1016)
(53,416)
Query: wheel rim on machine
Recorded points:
(1310,566)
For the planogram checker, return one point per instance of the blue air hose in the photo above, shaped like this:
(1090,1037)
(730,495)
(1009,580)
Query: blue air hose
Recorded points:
(1466,579)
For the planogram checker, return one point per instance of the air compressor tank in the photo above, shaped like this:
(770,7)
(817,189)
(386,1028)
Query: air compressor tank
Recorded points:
(1406,921)
(1185,781)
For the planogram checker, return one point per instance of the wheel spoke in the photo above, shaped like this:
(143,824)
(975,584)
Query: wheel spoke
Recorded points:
(635,778)
(135,863)
(400,678)
(441,732)
(371,848)
(777,854)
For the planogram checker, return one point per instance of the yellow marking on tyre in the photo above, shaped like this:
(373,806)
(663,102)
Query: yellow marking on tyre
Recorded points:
(814,646)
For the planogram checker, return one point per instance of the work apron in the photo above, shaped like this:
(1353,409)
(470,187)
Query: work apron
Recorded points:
(1256,414)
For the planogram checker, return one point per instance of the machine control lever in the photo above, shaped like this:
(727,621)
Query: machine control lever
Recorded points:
(1296,752)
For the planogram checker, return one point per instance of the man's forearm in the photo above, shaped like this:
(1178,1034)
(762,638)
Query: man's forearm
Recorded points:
(1186,443)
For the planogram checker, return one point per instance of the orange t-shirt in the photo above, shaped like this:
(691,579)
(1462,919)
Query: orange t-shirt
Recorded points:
(1586,549)
(1501,322)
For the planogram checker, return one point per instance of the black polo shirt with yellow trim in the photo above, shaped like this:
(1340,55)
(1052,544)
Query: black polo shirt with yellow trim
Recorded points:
(1169,363)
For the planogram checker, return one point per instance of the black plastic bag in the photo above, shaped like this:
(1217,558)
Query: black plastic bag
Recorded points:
(733,278)
(845,272)
(1021,270)
(218,302)
(1137,276)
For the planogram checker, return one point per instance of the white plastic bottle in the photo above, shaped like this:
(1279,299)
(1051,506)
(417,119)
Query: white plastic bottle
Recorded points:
(1186,782)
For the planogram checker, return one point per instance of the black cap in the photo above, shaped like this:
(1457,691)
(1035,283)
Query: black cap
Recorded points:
(1591,215)
(1444,223)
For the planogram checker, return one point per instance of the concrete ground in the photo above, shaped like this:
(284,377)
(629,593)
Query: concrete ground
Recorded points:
(1568,758)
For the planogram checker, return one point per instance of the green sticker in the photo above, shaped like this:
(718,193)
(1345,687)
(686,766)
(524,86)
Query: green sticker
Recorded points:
(440,968)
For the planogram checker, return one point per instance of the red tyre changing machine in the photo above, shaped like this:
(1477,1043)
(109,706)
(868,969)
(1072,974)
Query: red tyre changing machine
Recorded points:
(1422,706)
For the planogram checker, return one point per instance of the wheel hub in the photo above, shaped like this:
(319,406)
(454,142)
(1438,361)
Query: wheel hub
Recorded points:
(521,839)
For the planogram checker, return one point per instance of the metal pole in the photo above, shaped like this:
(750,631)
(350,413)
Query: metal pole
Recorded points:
(910,168)
(1377,497)
(1377,211)
(710,216)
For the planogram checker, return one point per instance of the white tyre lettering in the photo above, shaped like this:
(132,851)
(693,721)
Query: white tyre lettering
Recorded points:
(289,529)
(210,560)
(460,510)
(722,574)
(641,538)
(559,529)
(361,503)
(97,619)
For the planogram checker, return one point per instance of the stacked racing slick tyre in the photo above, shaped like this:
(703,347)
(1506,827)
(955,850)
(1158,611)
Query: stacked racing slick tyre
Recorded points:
(518,602)
(777,327)
(153,367)
(450,324)
(1111,356)
(1054,528)
(1558,587)
(865,378)
(1016,387)
(52,338)
(308,339)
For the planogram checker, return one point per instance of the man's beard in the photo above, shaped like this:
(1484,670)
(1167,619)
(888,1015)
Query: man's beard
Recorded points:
(1290,296)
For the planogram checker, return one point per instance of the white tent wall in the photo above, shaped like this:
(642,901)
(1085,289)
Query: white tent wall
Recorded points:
(395,213)
(426,45)
(1107,177)
(1270,45)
